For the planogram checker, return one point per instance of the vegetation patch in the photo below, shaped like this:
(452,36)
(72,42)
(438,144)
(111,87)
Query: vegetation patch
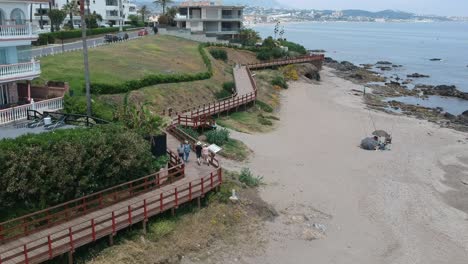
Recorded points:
(218,136)
(235,150)
(247,177)
(42,170)
(227,91)
(219,54)
(280,81)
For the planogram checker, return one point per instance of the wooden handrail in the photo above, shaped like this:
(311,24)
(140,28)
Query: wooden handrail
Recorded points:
(110,222)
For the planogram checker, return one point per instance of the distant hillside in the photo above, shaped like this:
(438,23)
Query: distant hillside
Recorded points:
(389,14)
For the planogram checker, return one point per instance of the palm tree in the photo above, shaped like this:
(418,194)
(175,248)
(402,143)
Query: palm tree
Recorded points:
(163,3)
(143,11)
(71,8)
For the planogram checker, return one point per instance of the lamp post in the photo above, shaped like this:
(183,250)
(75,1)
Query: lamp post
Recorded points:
(120,16)
(85,58)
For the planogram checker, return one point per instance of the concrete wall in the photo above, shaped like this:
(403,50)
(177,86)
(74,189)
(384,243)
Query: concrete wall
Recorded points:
(212,13)
(195,26)
(211,26)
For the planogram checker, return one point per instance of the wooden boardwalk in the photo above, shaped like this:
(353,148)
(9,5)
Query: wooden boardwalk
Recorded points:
(36,238)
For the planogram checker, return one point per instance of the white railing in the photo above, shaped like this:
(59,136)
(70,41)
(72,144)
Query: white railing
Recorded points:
(19,70)
(17,31)
(21,112)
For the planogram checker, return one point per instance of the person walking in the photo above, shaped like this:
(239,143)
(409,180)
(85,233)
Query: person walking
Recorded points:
(198,151)
(180,151)
(205,154)
(187,149)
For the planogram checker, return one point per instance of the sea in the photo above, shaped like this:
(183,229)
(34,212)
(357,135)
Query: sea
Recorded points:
(410,44)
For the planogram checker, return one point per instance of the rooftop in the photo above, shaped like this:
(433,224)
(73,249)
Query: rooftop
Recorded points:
(207,4)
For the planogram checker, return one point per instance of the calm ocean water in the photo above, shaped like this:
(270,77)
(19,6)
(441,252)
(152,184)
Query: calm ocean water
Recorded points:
(409,44)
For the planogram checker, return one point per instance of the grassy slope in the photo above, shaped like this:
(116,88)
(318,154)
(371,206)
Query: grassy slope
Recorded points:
(124,61)
(256,120)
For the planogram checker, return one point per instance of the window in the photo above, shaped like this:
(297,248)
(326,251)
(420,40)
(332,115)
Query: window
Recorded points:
(2,17)
(4,94)
(111,3)
(18,16)
(3,60)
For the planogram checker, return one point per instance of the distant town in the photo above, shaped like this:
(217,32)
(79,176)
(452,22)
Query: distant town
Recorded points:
(256,15)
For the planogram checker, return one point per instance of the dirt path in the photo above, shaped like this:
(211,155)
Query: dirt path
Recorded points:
(367,207)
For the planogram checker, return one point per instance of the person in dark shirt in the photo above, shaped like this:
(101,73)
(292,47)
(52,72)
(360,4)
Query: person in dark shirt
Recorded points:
(198,151)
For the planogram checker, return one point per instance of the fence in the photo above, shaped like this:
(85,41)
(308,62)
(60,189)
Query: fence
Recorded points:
(21,112)
(58,214)
(47,246)
(17,70)
(15,31)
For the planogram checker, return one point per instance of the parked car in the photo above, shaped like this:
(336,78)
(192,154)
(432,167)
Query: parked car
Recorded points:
(111,38)
(122,36)
(142,32)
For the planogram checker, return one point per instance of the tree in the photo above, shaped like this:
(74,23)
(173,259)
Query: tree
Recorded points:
(249,37)
(171,14)
(51,4)
(144,12)
(163,4)
(133,20)
(281,33)
(92,20)
(276,30)
(56,17)
(72,8)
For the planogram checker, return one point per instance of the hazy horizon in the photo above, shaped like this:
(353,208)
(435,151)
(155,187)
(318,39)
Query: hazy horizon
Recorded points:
(428,7)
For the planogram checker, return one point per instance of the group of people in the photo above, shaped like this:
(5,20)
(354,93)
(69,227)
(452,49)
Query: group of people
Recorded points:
(202,152)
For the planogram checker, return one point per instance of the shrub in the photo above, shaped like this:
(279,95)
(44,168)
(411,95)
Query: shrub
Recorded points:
(294,47)
(277,53)
(50,168)
(77,105)
(247,177)
(264,106)
(290,72)
(227,91)
(219,54)
(279,81)
(218,137)
(190,131)
(264,55)
(264,121)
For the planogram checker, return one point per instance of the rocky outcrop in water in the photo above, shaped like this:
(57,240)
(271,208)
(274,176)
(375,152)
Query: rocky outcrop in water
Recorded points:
(442,90)
(384,63)
(435,59)
(417,75)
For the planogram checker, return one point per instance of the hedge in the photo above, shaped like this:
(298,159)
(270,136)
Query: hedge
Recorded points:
(70,34)
(153,79)
(38,171)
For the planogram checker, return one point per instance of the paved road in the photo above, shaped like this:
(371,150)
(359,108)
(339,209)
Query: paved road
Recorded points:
(57,48)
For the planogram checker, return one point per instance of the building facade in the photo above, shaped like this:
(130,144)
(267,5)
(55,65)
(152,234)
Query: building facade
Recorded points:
(210,18)
(16,63)
(108,9)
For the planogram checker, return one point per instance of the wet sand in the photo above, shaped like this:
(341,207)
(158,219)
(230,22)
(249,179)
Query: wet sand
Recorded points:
(397,206)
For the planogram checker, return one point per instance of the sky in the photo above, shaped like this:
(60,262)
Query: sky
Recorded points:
(437,7)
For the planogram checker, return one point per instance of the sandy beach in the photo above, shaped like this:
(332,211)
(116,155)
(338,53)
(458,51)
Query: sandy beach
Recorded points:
(407,205)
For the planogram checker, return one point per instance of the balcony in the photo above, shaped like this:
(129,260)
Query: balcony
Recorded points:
(20,71)
(14,32)
(231,17)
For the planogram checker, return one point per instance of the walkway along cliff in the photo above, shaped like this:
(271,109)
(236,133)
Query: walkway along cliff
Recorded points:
(60,229)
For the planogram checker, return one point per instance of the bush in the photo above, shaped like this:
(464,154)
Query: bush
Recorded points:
(264,106)
(294,47)
(219,54)
(277,53)
(264,121)
(218,137)
(247,177)
(264,55)
(77,105)
(279,81)
(290,72)
(70,34)
(46,169)
(190,131)
(227,91)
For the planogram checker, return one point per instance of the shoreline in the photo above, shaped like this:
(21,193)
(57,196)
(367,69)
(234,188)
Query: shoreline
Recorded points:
(370,207)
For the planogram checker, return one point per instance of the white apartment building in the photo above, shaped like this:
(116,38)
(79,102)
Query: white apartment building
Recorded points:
(210,18)
(108,9)
(16,63)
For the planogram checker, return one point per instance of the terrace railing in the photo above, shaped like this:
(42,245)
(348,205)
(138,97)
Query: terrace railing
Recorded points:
(17,71)
(18,113)
(17,31)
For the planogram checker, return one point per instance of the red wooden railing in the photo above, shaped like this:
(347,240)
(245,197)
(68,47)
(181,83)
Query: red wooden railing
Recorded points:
(278,62)
(49,245)
(61,213)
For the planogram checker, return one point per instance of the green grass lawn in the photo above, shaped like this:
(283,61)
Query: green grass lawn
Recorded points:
(121,62)
(235,150)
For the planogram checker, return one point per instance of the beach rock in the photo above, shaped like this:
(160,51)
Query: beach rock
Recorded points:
(449,116)
(347,66)
(435,59)
(465,113)
(384,68)
(407,81)
(417,75)
(329,60)
(442,90)
(318,51)
(367,66)
(384,62)
(308,70)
